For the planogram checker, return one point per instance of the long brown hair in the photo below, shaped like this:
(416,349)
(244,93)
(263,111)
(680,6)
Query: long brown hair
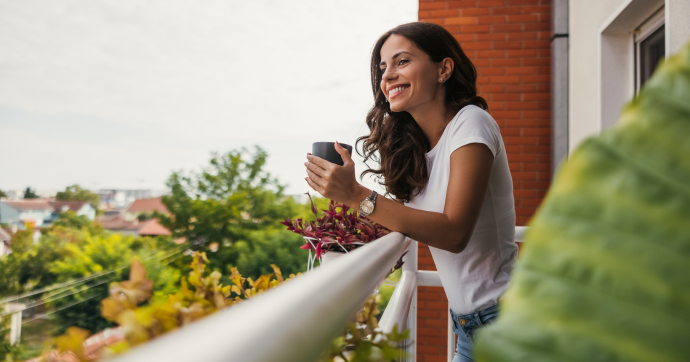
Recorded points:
(395,136)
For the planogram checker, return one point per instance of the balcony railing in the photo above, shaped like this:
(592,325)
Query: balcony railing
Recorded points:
(297,320)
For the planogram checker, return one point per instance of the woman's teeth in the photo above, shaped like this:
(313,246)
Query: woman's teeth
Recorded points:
(396,90)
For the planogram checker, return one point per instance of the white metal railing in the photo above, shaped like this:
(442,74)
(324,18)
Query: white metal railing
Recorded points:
(293,322)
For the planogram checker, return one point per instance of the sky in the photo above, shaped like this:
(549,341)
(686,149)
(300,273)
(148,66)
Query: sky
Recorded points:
(119,94)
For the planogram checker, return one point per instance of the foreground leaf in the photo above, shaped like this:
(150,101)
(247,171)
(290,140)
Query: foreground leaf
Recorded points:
(605,272)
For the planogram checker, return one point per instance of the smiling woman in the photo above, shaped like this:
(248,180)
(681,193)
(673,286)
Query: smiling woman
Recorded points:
(443,159)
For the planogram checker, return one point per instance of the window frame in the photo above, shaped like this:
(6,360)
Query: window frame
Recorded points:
(642,32)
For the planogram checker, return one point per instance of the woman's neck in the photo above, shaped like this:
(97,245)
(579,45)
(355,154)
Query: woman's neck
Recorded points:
(432,118)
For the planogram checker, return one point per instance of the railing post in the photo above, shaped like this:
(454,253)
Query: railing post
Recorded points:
(411,264)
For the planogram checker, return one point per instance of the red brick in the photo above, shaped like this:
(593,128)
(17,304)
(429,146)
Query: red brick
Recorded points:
(536,10)
(490,3)
(536,167)
(531,176)
(474,12)
(460,4)
(429,332)
(491,20)
(537,44)
(522,36)
(521,211)
(461,21)
(520,70)
(435,21)
(477,46)
(428,313)
(520,123)
(537,26)
(440,5)
(537,96)
(445,13)
(537,114)
(536,132)
(524,53)
(492,36)
(522,158)
(437,305)
(537,149)
(505,79)
(530,202)
(506,97)
(520,106)
(519,140)
(522,88)
(507,11)
(475,29)
(508,45)
(524,193)
(536,61)
(505,62)
(491,54)
(522,2)
(507,28)
(510,132)
(522,19)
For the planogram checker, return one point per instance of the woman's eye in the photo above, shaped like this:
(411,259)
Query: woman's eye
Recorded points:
(402,61)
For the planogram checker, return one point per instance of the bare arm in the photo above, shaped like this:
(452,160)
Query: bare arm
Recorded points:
(470,171)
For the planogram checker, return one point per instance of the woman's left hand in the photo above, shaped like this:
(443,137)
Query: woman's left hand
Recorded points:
(330,180)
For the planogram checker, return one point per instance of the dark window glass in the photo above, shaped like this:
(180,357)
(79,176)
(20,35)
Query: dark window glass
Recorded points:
(652,50)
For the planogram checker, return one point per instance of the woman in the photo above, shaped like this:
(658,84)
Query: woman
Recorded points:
(442,157)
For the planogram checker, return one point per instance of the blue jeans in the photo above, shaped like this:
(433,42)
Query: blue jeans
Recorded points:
(465,326)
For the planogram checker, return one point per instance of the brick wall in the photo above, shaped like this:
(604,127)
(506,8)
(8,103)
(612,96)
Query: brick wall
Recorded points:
(508,42)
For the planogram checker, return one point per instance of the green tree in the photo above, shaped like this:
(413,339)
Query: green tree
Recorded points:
(2,194)
(109,255)
(30,194)
(236,204)
(76,193)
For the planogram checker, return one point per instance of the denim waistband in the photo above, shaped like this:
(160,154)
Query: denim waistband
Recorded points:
(473,319)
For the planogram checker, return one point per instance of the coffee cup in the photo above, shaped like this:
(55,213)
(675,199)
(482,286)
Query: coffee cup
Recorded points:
(326,150)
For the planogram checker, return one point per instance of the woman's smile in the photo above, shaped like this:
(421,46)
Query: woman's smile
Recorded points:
(394,91)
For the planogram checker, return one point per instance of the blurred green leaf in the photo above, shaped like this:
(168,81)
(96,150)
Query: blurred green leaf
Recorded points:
(605,272)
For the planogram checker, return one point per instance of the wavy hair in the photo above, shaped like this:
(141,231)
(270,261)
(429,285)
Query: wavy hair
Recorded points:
(395,139)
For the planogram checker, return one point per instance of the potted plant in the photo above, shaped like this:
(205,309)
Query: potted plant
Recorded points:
(339,230)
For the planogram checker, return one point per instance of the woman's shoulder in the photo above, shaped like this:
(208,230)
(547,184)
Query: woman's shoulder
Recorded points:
(474,114)
(472,124)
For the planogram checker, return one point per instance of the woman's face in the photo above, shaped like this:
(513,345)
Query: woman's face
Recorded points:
(410,78)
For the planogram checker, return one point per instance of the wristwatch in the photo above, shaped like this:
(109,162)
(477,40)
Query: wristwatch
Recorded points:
(366,207)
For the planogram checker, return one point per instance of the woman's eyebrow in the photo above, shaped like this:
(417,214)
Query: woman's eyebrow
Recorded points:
(395,56)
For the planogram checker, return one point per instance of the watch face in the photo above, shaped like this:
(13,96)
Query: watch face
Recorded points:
(367,206)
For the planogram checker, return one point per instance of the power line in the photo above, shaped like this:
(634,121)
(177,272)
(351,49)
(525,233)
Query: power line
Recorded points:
(77,281)
(44,301)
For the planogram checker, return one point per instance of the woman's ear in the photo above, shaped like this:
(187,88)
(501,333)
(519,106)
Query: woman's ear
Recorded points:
(446,69)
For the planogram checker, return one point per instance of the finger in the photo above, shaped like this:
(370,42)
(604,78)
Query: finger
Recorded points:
(314,186)
(344,153)
(315,169)
(318,161)
(316,178)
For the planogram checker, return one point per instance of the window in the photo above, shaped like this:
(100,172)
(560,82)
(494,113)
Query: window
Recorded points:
(650,47)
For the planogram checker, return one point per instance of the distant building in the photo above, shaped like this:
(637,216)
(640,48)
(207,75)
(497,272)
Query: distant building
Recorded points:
(81,208)
(142,206)
(25,213)
(126,222)
(36,213)
(122,198)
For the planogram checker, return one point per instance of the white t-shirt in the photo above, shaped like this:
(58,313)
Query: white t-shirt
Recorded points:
(475,278)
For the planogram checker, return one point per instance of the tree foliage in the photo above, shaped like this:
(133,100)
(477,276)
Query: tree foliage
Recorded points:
(235,203)
(30,194)
(76,193)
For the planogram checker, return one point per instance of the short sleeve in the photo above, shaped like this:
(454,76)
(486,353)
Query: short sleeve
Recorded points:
(474,125)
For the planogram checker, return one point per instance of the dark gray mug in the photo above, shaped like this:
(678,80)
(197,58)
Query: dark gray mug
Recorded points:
(326,150)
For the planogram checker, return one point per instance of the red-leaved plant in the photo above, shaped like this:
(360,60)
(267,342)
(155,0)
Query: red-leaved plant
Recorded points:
(336,229)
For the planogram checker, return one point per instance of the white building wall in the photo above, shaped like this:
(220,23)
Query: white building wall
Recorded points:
(601,57)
